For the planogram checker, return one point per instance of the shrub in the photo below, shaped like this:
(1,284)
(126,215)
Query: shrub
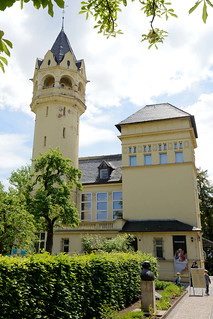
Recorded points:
(161,285)
(62,287)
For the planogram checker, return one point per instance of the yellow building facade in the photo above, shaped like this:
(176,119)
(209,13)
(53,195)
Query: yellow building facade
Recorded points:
(149,190)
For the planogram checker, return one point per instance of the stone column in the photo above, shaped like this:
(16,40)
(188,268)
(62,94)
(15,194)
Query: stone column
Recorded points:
(147,288)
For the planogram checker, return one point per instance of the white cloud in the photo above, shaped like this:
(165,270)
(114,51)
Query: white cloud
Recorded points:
(119,69)
(13,151)
(203,112)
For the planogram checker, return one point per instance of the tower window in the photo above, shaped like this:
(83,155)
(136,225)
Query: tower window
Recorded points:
(68,63)
(47,109)
(64,111)
(64,132)
(45,140)
(49,62)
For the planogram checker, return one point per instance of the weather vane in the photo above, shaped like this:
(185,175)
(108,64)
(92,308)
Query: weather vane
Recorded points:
(63,14)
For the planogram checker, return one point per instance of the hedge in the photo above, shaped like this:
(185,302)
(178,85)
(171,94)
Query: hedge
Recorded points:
(62,287)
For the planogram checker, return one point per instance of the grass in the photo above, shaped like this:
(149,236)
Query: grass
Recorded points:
(170,290)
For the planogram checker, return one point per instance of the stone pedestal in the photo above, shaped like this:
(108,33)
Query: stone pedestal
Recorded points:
(148,296)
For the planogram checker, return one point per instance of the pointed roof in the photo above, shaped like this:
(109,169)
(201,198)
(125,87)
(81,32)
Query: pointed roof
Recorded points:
(61,46)
(157,112)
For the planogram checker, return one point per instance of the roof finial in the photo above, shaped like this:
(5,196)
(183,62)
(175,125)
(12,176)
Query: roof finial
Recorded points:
(63,14)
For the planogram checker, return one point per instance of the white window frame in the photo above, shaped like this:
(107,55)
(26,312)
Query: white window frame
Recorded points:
(89,210)
(158,243)
(119,210)
(65,245)
(102,210)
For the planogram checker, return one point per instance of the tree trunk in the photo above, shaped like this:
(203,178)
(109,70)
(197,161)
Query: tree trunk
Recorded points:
(49,242)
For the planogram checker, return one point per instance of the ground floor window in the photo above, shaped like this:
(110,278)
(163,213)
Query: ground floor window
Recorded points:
(65,245)
(40,243)
(158,242)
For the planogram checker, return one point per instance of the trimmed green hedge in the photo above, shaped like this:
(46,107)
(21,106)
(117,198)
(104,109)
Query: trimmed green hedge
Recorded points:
(47,287)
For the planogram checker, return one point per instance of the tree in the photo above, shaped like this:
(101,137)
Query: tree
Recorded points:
(105,13)
(205,192)
(19,179)
(16,224)
(48,195)
(6,44)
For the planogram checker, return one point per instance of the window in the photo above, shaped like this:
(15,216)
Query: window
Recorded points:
(47,109)
(117,205)
(134,149)
(180,145)
(159,248)
(175,146)
(68,63)
(40,243)
(144,148)
(86,207)
(65,247)
(178,157)
(130,150)
(64,131)
(159,147)
(164,147)
(64,111)
(45,140)
(149,148)
(147,159)
(101,206)
(132,161)
(49,62)
(163,158)
(104,173)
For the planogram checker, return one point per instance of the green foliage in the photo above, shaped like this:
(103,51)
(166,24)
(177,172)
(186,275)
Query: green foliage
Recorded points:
(48,195)
(122,243)
(45,286)
(16,224)
(161,285)
(170,291)
(4,48)
(131,315)
(205,192)
(6,44)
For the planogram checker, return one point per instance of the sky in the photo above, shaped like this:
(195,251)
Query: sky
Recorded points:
(123,76)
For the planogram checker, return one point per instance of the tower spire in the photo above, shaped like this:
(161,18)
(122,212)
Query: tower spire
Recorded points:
(63,14)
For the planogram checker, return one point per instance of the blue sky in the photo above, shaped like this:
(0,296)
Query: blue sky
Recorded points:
(124,76)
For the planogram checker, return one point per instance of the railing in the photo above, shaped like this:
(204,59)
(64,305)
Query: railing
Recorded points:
(95,226)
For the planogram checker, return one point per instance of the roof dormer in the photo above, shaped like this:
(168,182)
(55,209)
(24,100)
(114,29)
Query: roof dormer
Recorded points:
(105,169)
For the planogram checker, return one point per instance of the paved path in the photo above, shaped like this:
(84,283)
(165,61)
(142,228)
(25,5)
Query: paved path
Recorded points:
(194,306)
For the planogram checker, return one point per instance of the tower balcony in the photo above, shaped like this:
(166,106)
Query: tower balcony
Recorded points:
(58,90)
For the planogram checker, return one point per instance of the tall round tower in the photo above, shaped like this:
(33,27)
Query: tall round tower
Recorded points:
(58,100)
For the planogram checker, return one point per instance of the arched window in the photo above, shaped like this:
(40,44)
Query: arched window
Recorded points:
(65,82)
(49,82)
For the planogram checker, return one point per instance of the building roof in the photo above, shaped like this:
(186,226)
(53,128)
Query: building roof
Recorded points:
(156,225)
(157,112)
(90,166)
(60,47)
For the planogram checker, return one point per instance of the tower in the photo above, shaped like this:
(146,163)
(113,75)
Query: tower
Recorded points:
(58,101)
